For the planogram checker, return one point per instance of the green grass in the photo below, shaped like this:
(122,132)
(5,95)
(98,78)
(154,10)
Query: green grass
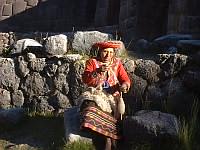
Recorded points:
(46,132)
(188,132)
(39,132)
(79,145)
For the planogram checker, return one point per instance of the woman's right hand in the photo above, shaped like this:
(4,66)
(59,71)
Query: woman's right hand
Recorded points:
(104,68)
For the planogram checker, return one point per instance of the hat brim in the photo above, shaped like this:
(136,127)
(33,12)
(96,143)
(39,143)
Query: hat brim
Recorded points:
(108,44)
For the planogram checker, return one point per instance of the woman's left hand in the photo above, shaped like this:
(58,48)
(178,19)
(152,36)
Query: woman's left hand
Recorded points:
(124,88)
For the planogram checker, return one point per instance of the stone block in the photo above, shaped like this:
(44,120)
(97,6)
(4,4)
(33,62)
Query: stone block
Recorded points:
(56,45)
(72,126)
(9,1)
(32,2)
(7,10)
(18,7)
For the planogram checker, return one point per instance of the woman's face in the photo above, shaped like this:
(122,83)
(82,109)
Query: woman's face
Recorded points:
(107,55)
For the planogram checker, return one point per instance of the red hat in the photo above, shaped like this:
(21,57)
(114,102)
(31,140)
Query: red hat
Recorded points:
(108,44)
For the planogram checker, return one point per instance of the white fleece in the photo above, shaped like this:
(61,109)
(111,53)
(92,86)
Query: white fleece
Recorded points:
(104,100)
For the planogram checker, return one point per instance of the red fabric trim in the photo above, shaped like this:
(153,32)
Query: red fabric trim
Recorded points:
(108,44)
(99,121)
(92,127)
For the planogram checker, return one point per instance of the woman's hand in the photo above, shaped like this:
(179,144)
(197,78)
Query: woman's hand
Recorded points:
(105,68)
(124,88)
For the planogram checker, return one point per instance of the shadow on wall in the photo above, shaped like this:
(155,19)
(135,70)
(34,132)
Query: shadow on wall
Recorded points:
(153,18)
(50,15)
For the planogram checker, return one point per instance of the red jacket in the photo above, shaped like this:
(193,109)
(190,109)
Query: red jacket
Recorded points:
(116,74)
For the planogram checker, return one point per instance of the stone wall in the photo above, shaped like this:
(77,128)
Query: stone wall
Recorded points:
(134,18)
(184,16)
(53,82)
(45,15)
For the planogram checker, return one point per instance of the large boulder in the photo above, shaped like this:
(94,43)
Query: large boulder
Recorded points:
(83,41)
(56,45)
(23,44)
(148,125)
(72,126)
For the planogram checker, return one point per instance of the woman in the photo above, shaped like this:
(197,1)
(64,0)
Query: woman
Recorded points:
(104,72)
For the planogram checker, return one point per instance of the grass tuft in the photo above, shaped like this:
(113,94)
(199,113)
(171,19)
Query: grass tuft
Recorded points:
(79,145)
(188,130)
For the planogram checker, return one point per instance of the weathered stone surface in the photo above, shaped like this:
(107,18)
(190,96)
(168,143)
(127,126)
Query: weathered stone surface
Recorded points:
(9,1)
(39,104)
(17,98)
(56,45)
(5,100)
(135,96)
(8,78)
(154,97)
(171,64)
(23,44)
(51,68)
(32,2)
(4,43)
(61,84)
(83,41)
(148,70)
(2,2)
(64,68)
(173,16)
(36,85)
(146,125)
(22,67)
(38,64)
(75,82)
(73,57)
(19,6)
(72,126)
(59,101)
(7,10)
(31,57)
(172,39)
(129,65)
(3,18)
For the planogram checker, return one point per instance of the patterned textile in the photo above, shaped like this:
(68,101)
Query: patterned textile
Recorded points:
(111,78)
(99,121)
(116,74)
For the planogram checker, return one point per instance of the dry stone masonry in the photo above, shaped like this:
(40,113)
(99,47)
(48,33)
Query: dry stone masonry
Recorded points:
(47,78)
(42,79)
(128,19)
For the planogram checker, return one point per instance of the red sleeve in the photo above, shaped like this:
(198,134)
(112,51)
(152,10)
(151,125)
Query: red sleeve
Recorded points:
(87,77)
(122,75)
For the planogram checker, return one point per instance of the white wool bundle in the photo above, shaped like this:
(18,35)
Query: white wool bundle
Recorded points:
(104,100)
(121,106)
